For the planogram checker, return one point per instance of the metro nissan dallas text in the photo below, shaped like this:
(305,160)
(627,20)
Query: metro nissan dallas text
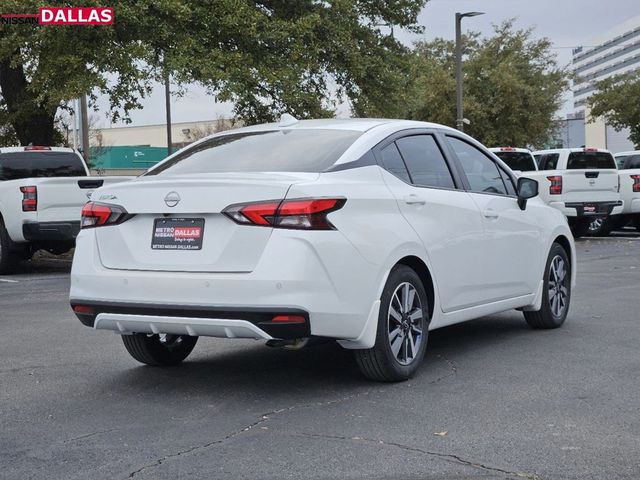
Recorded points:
(367,232)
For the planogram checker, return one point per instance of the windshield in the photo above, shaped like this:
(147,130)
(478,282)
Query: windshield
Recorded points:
(263,151)
(522,161)
(18,165)
(586,160)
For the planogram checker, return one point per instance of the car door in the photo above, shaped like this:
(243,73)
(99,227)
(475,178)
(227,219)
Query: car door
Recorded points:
(512,246)
(444,216)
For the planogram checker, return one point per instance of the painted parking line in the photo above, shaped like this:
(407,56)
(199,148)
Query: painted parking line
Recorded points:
(6,280)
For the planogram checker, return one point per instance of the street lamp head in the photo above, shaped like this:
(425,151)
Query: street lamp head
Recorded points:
(470,14)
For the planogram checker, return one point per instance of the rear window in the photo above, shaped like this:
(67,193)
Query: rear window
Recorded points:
(265,151)
(586,160)
(18,165)
(522,161)
(630,161)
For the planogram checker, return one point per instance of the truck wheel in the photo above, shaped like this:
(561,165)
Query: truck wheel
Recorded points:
(8,259)
(556,293)
(579,226)
(600,227)
(159,350)
(401,338)
(636,222)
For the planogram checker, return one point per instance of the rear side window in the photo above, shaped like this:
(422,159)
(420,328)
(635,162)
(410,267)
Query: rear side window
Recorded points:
(18,165)
(548,161)
(392,162)
(518,160)
(586,160)
(481,171)
(312,150)
(425,162)
(632,161)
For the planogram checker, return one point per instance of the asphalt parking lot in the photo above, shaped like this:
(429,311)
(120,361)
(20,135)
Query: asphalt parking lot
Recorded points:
(494,399)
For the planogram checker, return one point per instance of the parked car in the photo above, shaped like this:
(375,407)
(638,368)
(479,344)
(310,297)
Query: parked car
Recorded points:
(629,172)
(517,159)
(42,191)
(369,232)
(580,182)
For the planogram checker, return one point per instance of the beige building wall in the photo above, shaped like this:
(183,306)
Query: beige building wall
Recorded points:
(595,132)
(156,135)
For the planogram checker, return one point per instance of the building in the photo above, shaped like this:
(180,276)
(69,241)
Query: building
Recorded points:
(133,149)
(613,53)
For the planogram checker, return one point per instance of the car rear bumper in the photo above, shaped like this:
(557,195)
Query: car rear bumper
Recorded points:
(230,322)
(50,232)
(577,209)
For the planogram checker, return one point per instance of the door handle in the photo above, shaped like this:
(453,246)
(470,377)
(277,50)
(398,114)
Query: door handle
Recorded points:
(490,213)
(414,199)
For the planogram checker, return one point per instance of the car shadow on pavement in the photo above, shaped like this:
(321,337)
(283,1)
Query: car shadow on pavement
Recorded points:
(245,366)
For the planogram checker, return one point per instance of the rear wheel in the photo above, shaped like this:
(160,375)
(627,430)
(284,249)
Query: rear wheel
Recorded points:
(161,350)
(636,222)
(401,338)
(8,259)
(556,293)
(579,226)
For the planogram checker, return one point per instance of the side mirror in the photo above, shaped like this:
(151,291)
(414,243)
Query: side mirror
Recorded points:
(527,188)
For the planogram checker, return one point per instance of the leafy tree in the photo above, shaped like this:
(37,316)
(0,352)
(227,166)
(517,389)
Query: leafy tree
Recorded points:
(266,56)
(617,101)
(513,86)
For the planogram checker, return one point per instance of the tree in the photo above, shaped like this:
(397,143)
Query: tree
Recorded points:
(267,57)
(617,101)
(513,86)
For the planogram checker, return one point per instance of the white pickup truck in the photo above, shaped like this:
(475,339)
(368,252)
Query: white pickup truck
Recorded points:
(629,172)
(42,191)
(582,183)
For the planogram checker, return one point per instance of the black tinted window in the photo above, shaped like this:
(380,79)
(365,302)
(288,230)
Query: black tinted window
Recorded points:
(548,161)
(481,171)
(17,165)
(425,162)
(264,151)
(518,160)
(392,161)
(632,161)
(585,160)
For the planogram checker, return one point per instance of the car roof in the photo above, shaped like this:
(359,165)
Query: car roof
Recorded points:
(509,149)
(356,124)
(631,152)
(571,150)
(24,149)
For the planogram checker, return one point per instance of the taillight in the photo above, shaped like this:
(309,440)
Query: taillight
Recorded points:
(636,183)
(100,214)
(556,184)
(303,213)
(35,148)
(29,198)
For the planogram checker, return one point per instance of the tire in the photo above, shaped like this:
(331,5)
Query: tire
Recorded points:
(636,222)
(557,277)
(392,358)
(8,259)
(600,227)
(159,350)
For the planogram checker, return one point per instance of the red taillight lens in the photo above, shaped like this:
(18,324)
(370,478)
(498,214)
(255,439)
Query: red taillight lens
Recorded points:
(83,309)
(29,198)
(100,214)
(636,183)
(556,184)
(304,213)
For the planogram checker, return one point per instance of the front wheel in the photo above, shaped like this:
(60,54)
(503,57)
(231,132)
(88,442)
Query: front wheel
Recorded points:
(159,350)
(556,293)
(401,338)
(8,258)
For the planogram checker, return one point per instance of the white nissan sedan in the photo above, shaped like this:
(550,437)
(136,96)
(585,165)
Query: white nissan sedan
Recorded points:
(368,232)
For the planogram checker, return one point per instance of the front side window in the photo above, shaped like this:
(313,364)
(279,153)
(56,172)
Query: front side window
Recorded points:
(481,171)
(425,162)
(295,150)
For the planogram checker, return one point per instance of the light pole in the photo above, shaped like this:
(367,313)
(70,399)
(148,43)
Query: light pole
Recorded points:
(459,110)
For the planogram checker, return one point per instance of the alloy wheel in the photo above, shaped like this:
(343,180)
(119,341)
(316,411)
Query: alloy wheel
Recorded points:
(405,321)
(558,292)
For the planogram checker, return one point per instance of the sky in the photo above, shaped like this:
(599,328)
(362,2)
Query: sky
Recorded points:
(568,23)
